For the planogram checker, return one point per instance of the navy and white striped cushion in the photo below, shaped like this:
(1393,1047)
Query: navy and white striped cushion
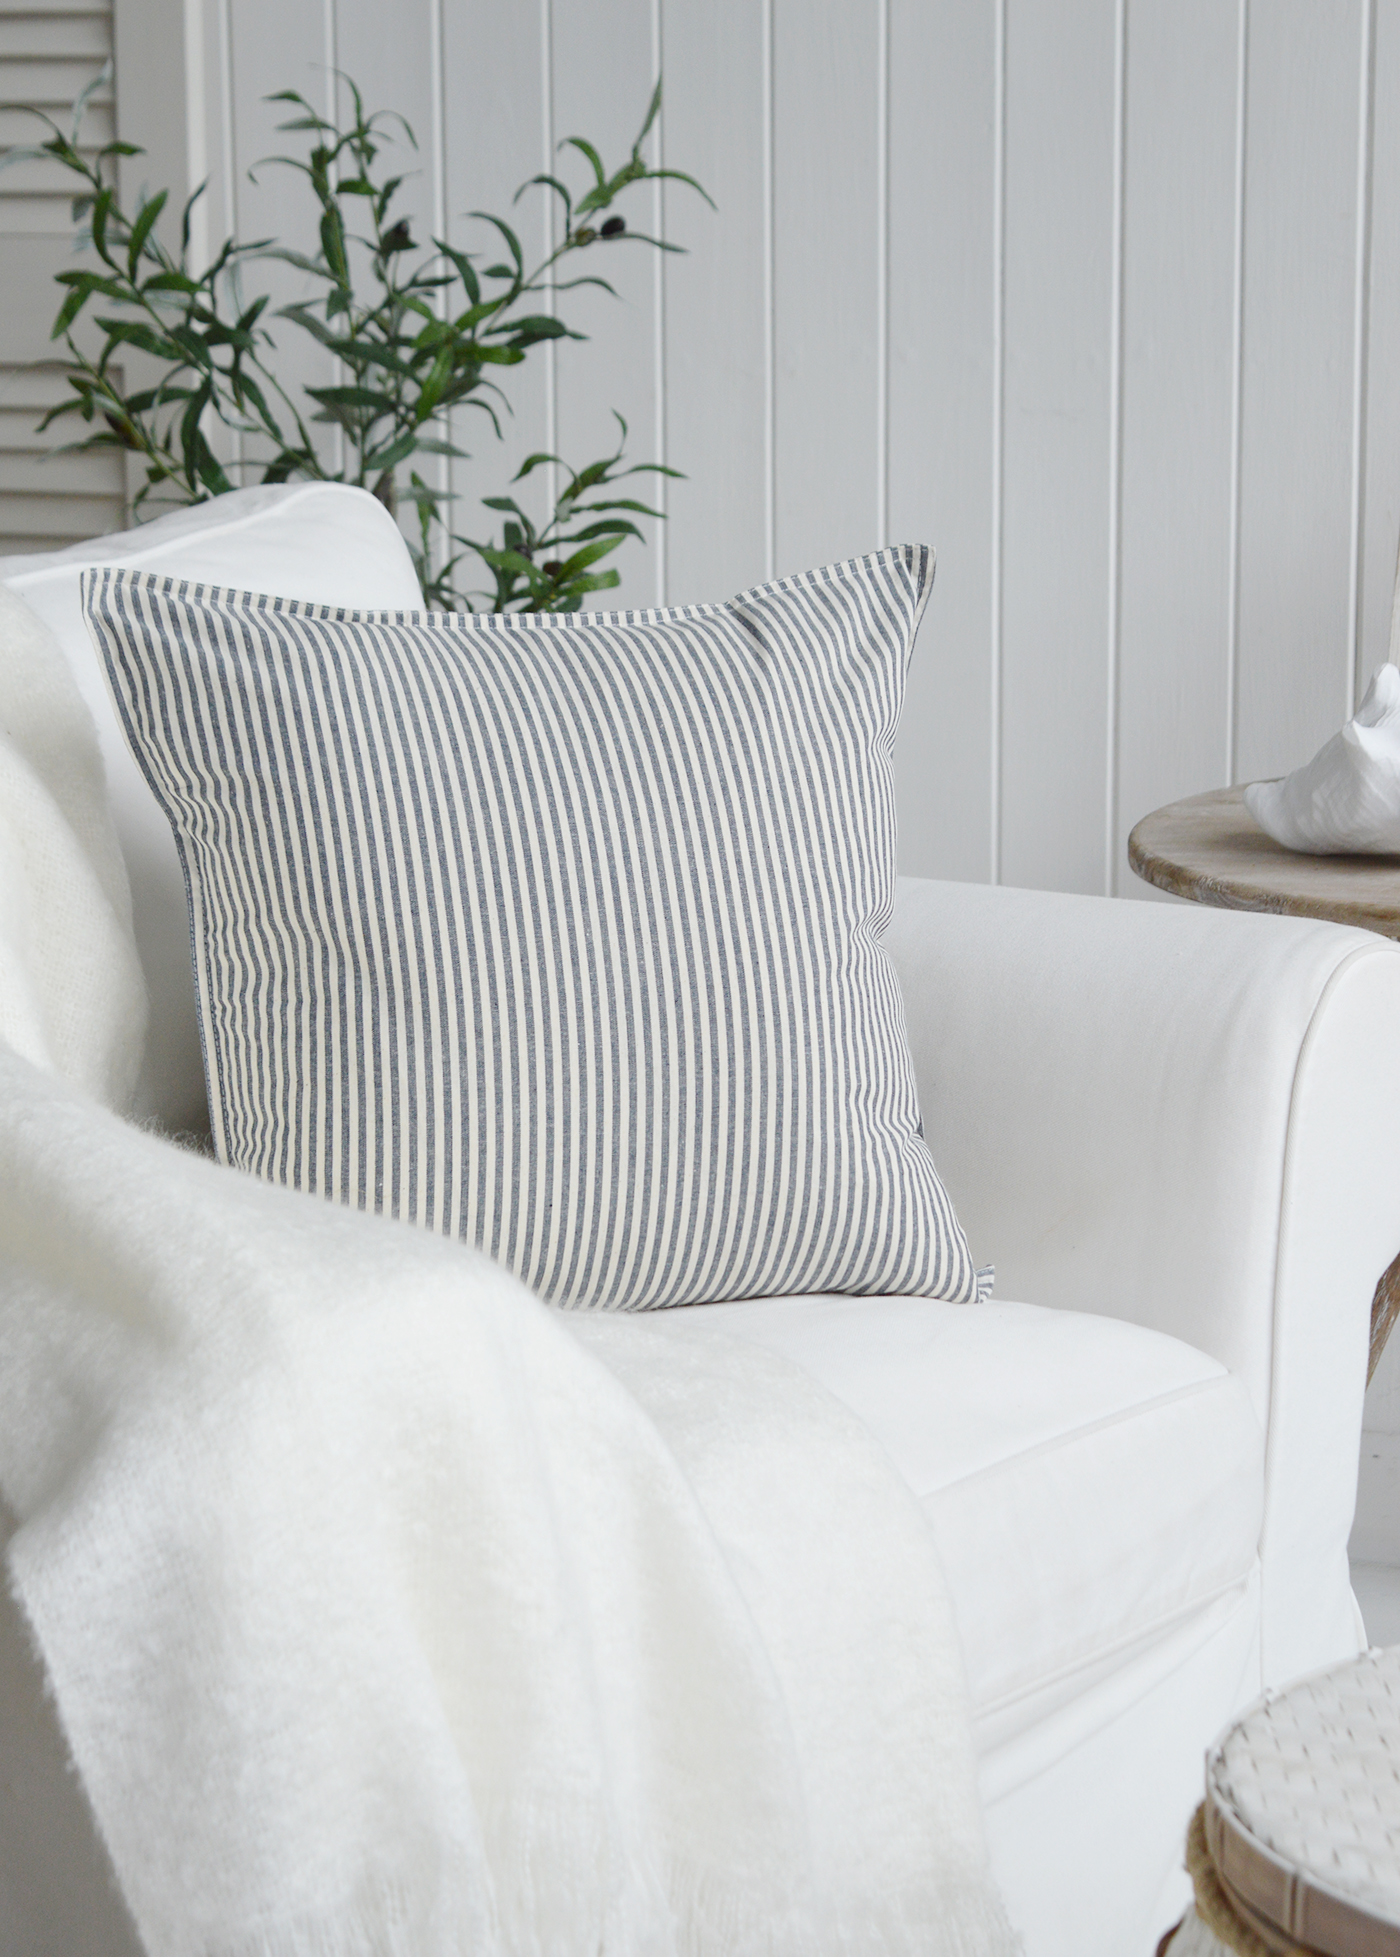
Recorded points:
(560,934)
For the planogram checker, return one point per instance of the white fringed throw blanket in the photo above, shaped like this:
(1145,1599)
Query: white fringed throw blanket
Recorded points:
(388,1612)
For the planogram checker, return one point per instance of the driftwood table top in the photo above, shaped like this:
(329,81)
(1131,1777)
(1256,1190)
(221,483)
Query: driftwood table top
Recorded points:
(1211,849)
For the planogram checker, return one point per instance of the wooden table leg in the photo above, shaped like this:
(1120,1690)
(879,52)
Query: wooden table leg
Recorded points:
(1385,1308)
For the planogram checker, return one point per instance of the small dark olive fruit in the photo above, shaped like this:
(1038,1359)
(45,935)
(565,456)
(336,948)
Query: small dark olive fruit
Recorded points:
(396,238)
(614,227)
(585,235)
(552,568)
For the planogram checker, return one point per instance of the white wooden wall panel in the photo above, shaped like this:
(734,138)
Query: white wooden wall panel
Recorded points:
(1380,505)
(494,90)
(602,83)
(974,277)
(827,135)
(1061,77)
(944,374)
(1298,455)
(273,45)
(717,314)
(1378,1519)
(1173,638)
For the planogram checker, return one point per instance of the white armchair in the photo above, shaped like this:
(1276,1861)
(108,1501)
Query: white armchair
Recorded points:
(1173,1132)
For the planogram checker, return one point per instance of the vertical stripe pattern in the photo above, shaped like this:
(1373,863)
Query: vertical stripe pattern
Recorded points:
(561,935)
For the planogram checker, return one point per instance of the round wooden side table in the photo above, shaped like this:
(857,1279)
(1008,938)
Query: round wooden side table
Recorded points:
(1296,1849)
(1209,848)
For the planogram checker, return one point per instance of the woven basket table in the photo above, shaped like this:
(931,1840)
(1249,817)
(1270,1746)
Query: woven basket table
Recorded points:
(1296,1849)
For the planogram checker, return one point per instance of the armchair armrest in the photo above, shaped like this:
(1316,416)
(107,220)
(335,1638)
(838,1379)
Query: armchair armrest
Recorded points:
(1191,1119)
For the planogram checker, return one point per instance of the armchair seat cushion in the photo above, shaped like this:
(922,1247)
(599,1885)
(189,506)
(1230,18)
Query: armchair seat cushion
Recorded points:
(1092,1485)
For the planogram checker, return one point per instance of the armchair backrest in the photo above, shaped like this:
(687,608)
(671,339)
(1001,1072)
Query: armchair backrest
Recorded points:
(324,542)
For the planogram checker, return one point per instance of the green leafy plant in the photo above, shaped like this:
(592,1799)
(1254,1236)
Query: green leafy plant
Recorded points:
(416,334)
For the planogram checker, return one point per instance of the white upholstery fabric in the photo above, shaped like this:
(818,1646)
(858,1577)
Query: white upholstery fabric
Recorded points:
(1185,1117)
(1091,1485)
(72,995)
(321,541)
(1087,1812)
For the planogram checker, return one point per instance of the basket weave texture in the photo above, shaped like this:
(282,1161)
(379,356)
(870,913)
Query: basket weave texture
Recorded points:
(1313,1775)
(1296,1849)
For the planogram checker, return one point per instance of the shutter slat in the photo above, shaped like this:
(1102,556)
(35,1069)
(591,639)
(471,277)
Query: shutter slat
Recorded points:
(29,37)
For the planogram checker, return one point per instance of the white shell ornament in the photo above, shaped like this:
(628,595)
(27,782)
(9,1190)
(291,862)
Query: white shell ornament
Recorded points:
(1346,800)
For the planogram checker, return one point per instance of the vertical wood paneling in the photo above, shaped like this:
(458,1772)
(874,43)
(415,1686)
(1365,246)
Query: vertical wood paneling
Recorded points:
(1178,388)
(826,260)
(1060,81)
(390,56)
(1381,502)
(494,138)
(272,46)
(1019,476)
(716,326)
(1381,513)
(942,147)
(1295,623)
(603,79)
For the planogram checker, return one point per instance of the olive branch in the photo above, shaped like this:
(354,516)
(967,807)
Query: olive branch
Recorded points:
(416,333)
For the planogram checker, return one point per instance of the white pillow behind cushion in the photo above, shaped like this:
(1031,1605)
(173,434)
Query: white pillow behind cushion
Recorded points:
(561,934)
(323,541)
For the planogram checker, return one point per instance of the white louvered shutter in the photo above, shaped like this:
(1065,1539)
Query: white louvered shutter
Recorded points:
(49,51)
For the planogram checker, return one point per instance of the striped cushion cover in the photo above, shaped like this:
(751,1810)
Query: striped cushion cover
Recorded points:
(559,934)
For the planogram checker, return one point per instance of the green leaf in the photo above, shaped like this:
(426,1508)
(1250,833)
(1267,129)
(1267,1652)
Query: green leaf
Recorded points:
(560,189)
(101,211)
(169,282)
(571,285)
(532,462)
(79,293)
(679,176)
(566,597)
(623,503)
(393,453)
(587,149)
(531,327)
(653,111)
(80,106)
(299,259)
(352,397)
(512,244)
(509,560)
(464,270)
(141,230)
(643,238)
(467,322)
(590,554)
(333,245)
(304,317)
(130,332)
(613,527)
